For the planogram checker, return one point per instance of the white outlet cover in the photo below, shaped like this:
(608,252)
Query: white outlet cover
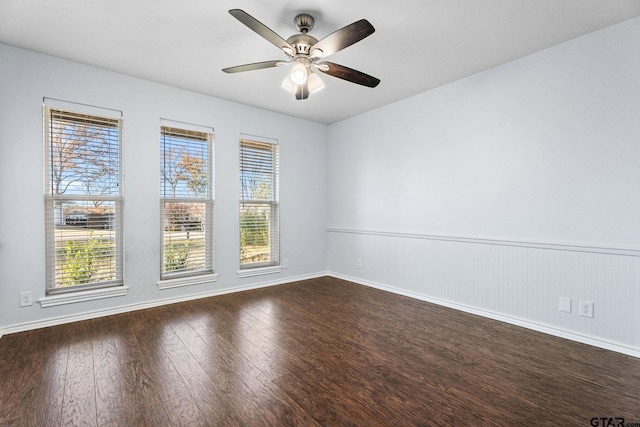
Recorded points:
(26,299)
(565,304)
(586,308)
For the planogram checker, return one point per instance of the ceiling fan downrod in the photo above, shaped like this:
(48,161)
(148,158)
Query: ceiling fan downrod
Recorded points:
(304,22)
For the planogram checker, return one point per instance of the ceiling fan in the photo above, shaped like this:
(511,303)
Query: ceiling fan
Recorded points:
(306,53)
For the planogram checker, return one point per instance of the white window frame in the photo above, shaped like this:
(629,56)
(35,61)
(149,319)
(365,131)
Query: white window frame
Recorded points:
(55,294)
(273,203)
(206,273)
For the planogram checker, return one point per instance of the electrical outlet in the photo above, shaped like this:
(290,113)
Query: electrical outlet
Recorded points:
(359,263)
(586,308)
(285,264)
(565,304)
(26,298)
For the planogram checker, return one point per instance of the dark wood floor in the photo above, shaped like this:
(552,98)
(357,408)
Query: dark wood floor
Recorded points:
(317,352)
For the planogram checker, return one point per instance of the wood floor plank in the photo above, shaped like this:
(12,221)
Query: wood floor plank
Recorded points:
(324,405)
(79,407)
(35,397)
(216,406)
(112,404)
(170,388)
(144,384)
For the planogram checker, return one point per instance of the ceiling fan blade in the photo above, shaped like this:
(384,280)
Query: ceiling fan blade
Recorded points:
(344,37)
(348,74)
(254,66)
(262,30)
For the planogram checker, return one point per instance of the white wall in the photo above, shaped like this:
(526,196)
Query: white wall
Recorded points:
(504,191)
(27,77)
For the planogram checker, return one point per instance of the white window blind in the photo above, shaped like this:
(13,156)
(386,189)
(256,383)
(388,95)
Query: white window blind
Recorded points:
(259,209)
(83,201)
(187,202)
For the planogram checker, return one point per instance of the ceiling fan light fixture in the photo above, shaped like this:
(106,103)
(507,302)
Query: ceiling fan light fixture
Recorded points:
(316,54)
(299,74)
(314,83)
(288,85)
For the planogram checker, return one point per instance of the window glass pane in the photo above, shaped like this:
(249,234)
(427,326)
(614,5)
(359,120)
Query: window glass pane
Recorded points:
(187,204)
(258,204)
(255,233)
(86,249)
(83,154)
(257,171)
(185,163)
(185,231)
(83,203)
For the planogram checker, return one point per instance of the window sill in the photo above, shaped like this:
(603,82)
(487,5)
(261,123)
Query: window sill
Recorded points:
(250,272)
(82,296)
(187,281)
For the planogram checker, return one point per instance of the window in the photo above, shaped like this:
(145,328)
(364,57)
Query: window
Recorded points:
(83,201)
(187,202)
(259,240)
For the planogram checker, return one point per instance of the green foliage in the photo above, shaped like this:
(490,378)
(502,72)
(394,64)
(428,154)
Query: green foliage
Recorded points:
(254,229)
(81,260)
(176,256)
(254,236)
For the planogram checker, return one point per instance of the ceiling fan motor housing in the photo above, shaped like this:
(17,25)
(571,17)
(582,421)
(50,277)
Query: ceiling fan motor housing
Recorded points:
(302,43)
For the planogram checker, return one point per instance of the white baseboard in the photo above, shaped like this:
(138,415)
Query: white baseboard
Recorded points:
(20,327)
(630,351)
(26,326)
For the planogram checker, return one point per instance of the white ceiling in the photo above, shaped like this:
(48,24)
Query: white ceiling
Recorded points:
(418,44)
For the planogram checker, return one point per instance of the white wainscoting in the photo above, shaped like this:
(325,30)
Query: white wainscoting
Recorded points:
(513,281)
